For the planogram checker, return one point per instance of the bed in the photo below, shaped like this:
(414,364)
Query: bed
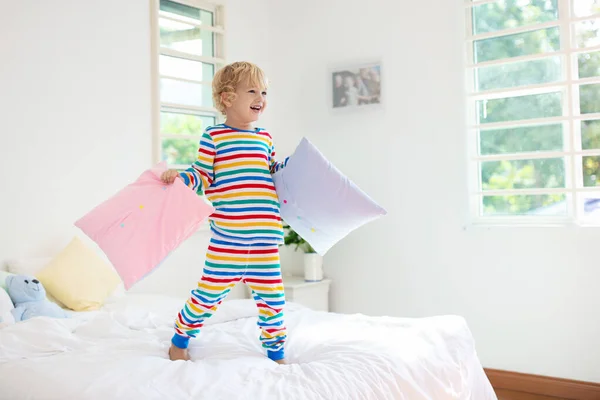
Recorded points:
(120,352)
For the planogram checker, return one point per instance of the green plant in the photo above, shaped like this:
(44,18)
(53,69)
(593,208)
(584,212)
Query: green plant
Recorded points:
(292,238)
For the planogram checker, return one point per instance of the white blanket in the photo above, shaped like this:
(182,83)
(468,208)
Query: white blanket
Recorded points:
(121,353)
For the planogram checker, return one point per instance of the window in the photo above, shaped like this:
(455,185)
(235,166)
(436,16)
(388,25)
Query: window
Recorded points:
(187,50)
(534,110)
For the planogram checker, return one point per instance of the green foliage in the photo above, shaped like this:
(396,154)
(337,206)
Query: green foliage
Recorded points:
(182,151)
(293,239)
(547,173)
(181,124)
(591,170)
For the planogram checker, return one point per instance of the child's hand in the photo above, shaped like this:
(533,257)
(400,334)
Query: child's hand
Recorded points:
(169,176)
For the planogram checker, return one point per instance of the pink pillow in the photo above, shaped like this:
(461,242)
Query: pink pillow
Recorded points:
(140,225)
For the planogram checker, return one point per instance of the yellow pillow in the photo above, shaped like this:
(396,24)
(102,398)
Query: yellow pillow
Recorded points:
(79,278)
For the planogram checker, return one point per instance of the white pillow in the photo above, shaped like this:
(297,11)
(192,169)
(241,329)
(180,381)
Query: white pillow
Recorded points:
(3,276)
(27,266)
(319,202)
(6,305)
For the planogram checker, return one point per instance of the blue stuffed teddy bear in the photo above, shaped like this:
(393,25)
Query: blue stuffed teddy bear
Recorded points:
(29,297)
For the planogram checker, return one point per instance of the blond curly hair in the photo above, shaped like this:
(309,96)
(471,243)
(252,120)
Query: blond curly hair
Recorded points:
(230,76)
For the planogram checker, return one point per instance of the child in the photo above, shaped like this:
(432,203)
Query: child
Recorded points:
(233,169)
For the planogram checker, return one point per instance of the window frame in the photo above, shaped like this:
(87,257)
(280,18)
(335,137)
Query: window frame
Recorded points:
(571,119)
(217,61)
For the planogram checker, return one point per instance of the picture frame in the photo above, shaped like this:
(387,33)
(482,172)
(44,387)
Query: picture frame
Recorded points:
(356,86)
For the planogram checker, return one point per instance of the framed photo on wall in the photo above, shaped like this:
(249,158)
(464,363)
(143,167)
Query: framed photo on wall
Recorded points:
(356,86)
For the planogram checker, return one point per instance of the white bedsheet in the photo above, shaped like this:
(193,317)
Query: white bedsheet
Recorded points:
(121,353)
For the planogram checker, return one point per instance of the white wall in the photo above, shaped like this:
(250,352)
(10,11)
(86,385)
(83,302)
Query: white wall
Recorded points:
(530,296)
(75,112)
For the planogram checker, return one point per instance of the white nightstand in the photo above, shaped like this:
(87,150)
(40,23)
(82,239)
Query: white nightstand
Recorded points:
(314,295)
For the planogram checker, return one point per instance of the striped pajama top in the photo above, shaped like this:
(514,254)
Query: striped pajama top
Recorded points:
(233,170)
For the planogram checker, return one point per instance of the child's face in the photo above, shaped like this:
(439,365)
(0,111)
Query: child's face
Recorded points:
(249,104)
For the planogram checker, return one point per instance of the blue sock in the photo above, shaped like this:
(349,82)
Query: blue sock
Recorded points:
(276,355)
(180,341)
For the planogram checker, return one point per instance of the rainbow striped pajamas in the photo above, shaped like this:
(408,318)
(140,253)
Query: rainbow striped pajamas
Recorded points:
(257,265)
(233,169)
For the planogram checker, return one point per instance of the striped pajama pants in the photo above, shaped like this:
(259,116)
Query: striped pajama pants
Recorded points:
(227,262)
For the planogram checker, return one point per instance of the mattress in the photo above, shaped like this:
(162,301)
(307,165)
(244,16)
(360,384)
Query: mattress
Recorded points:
(120,352)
